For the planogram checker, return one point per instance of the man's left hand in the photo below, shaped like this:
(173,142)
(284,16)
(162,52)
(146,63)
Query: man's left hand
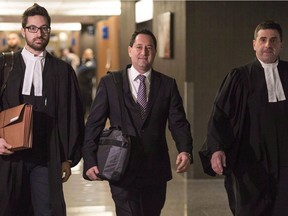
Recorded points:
(66,171)
(183,162)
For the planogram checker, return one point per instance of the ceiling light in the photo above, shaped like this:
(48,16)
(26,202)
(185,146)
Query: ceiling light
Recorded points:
(143,10)
(54,26)
(84,8)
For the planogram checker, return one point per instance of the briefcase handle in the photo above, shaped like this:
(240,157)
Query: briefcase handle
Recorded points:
(8,67)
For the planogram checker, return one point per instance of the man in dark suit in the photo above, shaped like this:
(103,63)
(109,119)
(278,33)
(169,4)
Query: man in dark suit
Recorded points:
(142,190)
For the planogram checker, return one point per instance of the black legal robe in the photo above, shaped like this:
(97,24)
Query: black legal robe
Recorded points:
(254,135)
(63,116)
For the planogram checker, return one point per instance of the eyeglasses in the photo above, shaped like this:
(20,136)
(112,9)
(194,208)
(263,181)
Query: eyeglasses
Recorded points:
(34,29)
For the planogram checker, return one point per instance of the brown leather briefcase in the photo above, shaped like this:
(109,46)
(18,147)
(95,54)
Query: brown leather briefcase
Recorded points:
(16,126)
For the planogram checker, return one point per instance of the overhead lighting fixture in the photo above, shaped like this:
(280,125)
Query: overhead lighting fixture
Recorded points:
(143,11)
(95,8)
(66,26)
(54,26)
(80,8)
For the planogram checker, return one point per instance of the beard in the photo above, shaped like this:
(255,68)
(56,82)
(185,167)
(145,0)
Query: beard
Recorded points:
(13,46)
(38,46)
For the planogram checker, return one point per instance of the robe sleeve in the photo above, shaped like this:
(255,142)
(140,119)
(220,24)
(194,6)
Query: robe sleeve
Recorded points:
(226,121)
(71,118)
(76,123)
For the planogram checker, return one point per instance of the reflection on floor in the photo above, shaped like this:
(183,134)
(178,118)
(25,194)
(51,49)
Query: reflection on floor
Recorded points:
(184,198)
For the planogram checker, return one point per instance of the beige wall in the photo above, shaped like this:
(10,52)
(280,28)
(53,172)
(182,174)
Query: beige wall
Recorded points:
(108,49)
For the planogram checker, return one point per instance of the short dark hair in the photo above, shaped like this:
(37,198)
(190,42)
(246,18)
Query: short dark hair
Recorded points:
(33,11)
(268,25)
(143,31)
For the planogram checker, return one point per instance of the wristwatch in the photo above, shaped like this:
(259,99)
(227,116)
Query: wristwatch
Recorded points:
(190,158)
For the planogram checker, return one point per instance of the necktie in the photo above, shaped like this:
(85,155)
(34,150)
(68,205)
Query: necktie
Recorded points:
(141,95)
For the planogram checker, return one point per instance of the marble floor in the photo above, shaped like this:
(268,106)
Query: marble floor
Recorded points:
(184,197)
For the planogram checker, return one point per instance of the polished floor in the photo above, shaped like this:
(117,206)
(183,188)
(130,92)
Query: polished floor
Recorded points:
(184,197)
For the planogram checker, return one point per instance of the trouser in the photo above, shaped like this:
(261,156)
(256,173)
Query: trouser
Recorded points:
(39,187)
(28,191)
(281,199)
(144,201)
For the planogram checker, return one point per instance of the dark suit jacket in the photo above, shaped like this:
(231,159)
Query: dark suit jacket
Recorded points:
(149,162)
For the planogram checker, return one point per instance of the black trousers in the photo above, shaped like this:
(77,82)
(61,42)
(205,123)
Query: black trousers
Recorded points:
(281,200)
(139,201)
(27,195)
(39,189)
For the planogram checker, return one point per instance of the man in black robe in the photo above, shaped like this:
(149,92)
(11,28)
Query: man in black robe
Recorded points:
(247,138)
(31,179)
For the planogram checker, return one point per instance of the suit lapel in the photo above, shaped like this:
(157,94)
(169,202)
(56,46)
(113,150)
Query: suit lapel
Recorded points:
(154,89)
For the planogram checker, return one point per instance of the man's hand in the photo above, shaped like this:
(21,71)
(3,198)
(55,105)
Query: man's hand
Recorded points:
(4,147)
(182,162)
(66,171)
(218,161)
(91,173)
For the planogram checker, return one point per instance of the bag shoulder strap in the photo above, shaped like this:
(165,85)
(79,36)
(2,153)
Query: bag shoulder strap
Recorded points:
(118,80)
(8,67)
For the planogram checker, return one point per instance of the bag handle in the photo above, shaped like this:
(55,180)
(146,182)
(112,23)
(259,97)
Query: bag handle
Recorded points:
(117,78)
(8,67)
